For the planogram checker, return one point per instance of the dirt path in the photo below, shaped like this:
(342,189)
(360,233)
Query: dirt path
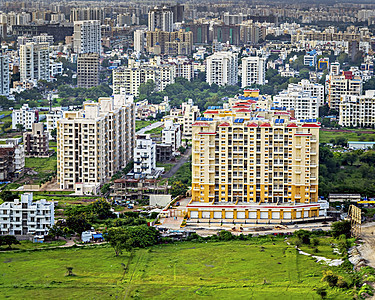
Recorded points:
(367,249)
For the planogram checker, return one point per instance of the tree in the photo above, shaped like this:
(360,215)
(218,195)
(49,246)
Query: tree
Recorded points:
(54,133)
(7,196)
(102,209)
(128,238)
(78,223)
(303,236)
(146,89)
(20,127)
(341,227)
(178,188)
(55,231)
(8,240)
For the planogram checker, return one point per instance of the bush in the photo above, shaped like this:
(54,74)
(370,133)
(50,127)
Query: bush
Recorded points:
(330,278)
(303,236)
(225,235)
(341,227)
(321,292)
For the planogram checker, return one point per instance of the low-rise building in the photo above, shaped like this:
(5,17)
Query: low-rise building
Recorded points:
(25,217)
(25,116)
(144,156)
(12,159)
(36,142)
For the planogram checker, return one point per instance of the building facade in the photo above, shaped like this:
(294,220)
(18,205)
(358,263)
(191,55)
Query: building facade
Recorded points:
(160,18)
(34,62)
(25,116)
(253,71)
(341,85)
(95,143)
(88,70)
(144,156)
(222,68)
(171,135)
(358,111)
(260,165)
(4,75)
(36,142)
(87,37)
(25,217)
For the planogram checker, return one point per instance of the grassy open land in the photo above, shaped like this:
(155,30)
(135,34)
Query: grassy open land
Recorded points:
(155,131)
(166,166)
(256,269)
(29,245)
(41,165)
(139,124)
(53,145)
(349,134)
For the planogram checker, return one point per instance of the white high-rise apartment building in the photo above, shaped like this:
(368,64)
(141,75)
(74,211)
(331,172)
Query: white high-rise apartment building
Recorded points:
(358,111)
(51,120)
(4,75)
(144,156)
(95,143)
(222,68)
(25,217)
(139,40)
(25,116)
(171,134)
(315,89)
(87,36)
(160,18)
(253,71)
(304,105)
(34,62)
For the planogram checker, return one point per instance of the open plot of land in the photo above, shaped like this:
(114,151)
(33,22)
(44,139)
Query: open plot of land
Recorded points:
(253,269)
(325,135)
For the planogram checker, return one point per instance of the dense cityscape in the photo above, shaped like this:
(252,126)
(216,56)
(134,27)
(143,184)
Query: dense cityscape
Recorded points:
(170,150)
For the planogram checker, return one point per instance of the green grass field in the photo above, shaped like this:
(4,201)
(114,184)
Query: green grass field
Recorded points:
(166,166)
(142,124)
(252,269)
(29,245)
(354,135)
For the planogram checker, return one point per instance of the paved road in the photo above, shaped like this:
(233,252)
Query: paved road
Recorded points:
(184,159)
(149,127)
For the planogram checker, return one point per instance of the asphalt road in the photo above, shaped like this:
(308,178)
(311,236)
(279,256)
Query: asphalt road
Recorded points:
(149,127)
(174,169)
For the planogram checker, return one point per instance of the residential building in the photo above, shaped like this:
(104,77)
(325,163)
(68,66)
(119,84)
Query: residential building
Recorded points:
(88,70)
(310,59)
(51,120)
(303,105)
(25,217)
(4,75)
(169,43)
(94,143)
(222,68)
(36,142)
(164,152)
(253,71)
(254,166)
(160,18)
(315,89)
(89,13)
(171,135)
(358,111)
(55,69)
(87,37)
(139,40)
(12,158)
(144,156)
(341,85)
(25,116)
(130,78)
(34,62)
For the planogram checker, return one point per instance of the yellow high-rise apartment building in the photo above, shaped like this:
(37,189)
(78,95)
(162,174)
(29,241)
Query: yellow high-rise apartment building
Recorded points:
(252,163)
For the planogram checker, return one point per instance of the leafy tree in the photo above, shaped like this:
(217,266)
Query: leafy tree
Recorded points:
(225,235)
(303,236)
(102,209)
(78,223)
(146,89)
(341,227)
(54,133)
(7,196)
(178,188)
(20,127)
(8,240)
(5,103)
(128,238)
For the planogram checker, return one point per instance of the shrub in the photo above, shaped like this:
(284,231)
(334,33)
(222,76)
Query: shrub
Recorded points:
(321,292)
(330,278)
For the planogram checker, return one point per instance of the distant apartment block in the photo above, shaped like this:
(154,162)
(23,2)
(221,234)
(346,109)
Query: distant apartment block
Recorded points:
(87,37)
(171,135)
(34,62)
(358,111)
(88,70)
(253,71)
(222,68)
(25,217)
(144,156)
(4,75)
(160,18)
(36,142)
(25,116)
